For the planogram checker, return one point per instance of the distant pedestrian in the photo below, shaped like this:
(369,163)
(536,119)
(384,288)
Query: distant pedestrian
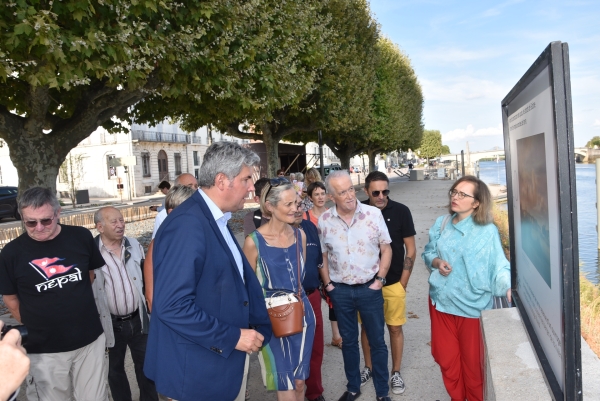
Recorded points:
(163,187)
(356,259)
(46,277)
(184,179)
(468,268)
(118,288)
(399,222)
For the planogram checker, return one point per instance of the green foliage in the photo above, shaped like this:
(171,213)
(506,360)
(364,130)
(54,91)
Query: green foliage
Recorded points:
(431,144)
(446,150)
(69,66)
(595,141)
(395,109)
(288,52)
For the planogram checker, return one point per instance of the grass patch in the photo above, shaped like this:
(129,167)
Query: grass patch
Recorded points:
(501,222)
(589,310)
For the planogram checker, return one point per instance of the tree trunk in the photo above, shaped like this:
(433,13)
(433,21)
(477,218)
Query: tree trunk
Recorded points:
(271,140)
(371,155)
(37,158)
(344,151)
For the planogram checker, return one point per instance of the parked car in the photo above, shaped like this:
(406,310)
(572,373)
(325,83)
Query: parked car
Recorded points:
(8,203)
(329,168)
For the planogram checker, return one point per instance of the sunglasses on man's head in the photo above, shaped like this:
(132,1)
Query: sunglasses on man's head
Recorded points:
(34,223)
(385,192)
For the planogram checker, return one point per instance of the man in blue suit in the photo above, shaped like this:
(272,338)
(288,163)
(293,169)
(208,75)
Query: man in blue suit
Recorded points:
(208,309)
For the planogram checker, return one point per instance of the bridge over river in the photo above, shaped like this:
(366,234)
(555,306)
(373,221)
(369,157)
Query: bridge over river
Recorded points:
(582,155)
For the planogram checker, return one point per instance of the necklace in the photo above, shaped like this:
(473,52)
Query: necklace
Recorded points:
(277,236)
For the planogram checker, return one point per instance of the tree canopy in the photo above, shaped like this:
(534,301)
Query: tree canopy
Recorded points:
(69,66)
(595,141)
(261,69)
(431,144)
(395,110)
(446,150)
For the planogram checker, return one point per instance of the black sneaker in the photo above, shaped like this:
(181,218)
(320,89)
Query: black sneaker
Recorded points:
(386,398)
(365,375)
(397,383)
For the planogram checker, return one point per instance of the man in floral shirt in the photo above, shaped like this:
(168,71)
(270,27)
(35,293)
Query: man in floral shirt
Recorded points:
(356,258)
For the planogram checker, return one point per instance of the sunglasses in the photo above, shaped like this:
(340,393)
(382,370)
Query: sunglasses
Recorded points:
(275,182)
(385,192)
(44,222)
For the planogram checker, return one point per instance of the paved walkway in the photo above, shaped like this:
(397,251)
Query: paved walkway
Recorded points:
(427,200)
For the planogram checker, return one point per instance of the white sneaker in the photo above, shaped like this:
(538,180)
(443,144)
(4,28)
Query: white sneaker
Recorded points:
(397,383)
(365,376)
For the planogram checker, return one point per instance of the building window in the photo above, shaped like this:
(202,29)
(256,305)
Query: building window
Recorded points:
(146,164)
(177,158)
(195,155)
(112,170)
(196,172)
(163,166)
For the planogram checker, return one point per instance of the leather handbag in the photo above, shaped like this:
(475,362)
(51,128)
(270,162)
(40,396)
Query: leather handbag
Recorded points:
(286,310)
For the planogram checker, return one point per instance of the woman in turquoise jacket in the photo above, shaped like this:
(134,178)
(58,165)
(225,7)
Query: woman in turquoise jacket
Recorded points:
(468,268)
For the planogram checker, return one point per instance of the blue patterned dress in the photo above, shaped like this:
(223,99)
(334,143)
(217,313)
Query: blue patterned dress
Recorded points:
(284,360)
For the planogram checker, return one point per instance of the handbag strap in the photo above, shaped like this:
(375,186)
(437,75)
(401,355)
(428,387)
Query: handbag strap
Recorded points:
(298,244)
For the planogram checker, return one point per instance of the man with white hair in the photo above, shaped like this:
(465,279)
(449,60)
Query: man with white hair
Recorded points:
(356,258)
(118,289)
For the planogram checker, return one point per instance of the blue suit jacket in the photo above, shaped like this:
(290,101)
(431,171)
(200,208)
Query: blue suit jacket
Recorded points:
(200,304)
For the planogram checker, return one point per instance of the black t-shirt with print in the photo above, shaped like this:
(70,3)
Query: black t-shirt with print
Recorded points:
(51,279)
(399,222)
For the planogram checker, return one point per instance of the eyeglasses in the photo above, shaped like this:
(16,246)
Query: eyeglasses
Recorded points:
(459,195)
(385,192)
(350,190)
(275,182)
(44,222)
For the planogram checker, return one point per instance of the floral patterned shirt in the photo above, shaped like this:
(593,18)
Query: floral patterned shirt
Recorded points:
(353,250)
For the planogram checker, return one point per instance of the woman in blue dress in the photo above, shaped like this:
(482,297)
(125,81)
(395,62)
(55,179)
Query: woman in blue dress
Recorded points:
(272,253)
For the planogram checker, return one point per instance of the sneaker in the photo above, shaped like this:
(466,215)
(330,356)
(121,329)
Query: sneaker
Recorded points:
(383,399)
(397,383)
(365,376)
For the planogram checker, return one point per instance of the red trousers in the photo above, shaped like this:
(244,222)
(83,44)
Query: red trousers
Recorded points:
(457,346)
(314,383)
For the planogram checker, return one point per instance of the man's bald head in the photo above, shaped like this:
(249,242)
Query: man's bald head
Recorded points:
(110,223)
(188,180)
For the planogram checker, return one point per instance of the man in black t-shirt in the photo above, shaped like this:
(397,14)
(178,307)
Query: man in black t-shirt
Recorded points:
(399,222)
(45,276)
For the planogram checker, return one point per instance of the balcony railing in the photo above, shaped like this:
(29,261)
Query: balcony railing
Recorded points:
(152,136)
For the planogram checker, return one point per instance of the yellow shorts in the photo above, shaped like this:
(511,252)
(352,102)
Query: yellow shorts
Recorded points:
(394,305)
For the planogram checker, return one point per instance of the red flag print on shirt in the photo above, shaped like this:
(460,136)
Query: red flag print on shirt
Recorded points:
(47,267)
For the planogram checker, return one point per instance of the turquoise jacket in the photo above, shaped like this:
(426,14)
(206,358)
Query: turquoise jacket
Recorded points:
(479,268)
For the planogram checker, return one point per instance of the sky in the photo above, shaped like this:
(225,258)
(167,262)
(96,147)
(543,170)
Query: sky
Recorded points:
(468,55)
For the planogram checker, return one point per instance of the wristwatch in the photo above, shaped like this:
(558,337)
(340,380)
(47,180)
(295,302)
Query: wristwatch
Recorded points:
(382,279)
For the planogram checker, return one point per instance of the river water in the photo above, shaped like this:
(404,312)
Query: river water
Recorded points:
(495,173)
